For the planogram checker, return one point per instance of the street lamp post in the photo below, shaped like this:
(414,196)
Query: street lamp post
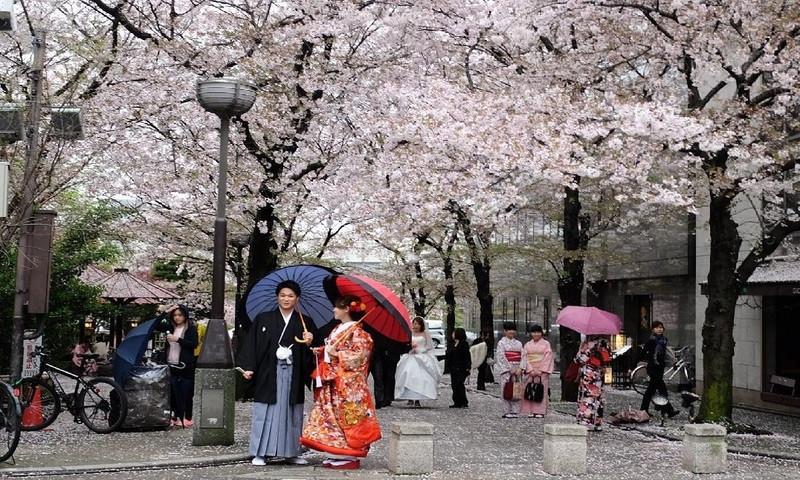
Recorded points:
(215,379)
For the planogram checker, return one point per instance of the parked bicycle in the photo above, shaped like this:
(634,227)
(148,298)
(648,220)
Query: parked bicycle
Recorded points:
(10,415)
(99,402)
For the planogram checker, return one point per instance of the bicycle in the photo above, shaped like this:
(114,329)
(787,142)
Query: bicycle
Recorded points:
(99,403)
(10,418)
(683,368)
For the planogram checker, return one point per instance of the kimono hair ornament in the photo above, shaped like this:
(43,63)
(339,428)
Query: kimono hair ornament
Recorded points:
(356,307)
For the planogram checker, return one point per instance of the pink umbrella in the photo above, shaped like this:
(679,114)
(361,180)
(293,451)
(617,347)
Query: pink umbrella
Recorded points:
(589,320)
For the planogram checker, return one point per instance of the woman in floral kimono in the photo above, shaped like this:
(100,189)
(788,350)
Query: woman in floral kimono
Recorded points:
(342,423)
(537,360)
(593,356)
(507,357)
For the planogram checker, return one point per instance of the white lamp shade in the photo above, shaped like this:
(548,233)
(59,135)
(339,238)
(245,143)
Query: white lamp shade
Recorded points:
(226,97)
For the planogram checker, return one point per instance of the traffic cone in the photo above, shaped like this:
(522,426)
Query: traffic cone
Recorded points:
(32,415)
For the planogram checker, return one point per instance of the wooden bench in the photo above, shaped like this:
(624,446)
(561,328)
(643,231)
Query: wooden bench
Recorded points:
(786,388)
(782,382)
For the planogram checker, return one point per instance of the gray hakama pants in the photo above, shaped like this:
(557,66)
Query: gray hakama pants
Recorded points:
(277,427)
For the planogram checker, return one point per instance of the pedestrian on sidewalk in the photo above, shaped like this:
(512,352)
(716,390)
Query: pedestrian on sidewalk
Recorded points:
(181,342)
(343,422)
(276,354)
(460,363)
(593,357)
(201,334)
(537,361)
(508,357)
(654,353)
(418,370)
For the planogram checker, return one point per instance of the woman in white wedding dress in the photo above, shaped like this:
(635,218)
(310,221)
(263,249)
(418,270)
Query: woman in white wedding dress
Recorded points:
(417,376)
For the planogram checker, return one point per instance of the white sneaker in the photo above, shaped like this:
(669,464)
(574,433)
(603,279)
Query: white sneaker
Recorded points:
(296,461)
(258,461)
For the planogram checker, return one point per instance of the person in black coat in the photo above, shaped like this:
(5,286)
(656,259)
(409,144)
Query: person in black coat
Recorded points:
(276,355)
(383,366)
(460,364)
(654,353)
(180,345)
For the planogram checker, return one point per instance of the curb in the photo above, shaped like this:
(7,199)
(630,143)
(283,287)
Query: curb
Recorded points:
(125,467)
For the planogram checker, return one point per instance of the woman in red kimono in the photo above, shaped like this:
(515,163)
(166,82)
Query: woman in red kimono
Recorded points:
(342,423)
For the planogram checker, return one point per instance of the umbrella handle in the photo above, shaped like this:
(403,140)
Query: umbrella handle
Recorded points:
(342,337)
(302,340)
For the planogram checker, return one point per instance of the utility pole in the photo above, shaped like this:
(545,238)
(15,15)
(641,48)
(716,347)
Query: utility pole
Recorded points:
(26,218)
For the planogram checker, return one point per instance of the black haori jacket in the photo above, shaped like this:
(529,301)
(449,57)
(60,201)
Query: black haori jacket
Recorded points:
(258,354)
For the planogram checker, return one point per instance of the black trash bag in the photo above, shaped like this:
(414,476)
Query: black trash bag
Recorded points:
(147,390)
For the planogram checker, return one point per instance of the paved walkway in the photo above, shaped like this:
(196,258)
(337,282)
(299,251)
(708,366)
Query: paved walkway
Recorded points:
(473,443)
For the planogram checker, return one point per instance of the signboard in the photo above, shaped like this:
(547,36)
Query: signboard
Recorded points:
(38,261)
(30,365)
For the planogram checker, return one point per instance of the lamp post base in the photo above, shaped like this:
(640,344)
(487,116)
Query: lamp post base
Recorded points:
(215,402)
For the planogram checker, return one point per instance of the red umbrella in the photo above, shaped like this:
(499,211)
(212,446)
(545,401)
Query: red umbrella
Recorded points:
(589,320)
(386,313)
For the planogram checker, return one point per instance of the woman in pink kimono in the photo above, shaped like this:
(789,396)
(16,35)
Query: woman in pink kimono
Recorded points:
(537,360)
(342,423)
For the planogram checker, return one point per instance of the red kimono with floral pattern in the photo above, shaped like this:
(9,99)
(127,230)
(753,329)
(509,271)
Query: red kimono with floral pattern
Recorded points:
(343,403)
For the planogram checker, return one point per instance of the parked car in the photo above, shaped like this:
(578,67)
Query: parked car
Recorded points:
(436,329)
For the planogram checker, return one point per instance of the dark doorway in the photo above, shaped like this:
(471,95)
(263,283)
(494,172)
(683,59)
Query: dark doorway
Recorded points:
(638,311)
(781,331)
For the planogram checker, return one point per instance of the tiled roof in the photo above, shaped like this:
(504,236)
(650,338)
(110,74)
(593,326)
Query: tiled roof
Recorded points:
(779,270)
(92,275)
(124,286)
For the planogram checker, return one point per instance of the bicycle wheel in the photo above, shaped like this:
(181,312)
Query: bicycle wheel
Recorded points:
(40,404)
(640,379)
(102,405)
(10,416)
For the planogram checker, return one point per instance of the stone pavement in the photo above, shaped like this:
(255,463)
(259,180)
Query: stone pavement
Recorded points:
(473,443)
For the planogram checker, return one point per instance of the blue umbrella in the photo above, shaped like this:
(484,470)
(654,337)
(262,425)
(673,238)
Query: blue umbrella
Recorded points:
(313,302)
(131,350)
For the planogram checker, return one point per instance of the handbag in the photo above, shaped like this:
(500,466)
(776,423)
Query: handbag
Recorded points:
(513,389)
(534,390)
(573,372)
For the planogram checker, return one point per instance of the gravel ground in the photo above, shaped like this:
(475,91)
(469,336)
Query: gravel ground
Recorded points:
(473,443)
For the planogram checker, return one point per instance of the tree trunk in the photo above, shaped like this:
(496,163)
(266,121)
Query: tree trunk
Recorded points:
(570,283)
(449,296)
(723,291)
(478,246)
(263,256)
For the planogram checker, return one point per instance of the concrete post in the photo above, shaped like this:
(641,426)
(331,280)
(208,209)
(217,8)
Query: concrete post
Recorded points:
(411,448)
(564,450)
(215,397)
(704,448)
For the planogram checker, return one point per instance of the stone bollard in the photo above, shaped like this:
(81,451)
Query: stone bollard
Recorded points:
(411,448)
(564,450)
(704,448)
